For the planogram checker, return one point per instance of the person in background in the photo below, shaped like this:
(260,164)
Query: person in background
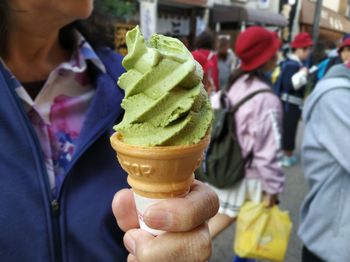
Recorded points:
(206,55)
(318,53)
(293,83)
(185,41)
(227,61)
(286,50)
(333,59)
(59,100)
(325,213)
(344,51)
(258,124)
(317,56)
(342,55)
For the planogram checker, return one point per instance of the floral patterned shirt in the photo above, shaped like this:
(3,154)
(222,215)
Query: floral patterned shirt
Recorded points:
(58,111)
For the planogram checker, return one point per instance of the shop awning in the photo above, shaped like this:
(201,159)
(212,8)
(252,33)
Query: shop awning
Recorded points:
(235,13)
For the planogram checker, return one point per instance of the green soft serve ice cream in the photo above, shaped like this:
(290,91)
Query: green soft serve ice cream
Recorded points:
(165,103)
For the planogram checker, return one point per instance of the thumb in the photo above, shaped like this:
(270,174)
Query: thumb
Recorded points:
(124,210)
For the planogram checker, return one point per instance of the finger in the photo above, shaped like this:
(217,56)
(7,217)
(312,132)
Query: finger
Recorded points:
(194,246)
(136,237)
(124,210)
(268,202)
(183,214)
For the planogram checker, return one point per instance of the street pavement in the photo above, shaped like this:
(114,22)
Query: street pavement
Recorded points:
(291,199)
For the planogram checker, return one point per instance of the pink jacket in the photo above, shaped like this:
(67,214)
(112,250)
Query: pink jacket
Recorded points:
(258,127)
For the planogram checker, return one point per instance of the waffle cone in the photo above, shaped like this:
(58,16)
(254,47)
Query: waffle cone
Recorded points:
(161,171)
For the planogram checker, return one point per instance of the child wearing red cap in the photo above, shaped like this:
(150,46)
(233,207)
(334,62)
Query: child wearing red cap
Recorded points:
(258,124)
(291,90)
(333,58)
(344,50)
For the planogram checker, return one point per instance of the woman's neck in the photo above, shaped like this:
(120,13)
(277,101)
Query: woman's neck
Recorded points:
(33,51)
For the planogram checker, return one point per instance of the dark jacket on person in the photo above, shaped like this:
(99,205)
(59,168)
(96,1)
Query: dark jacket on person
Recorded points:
(290,68)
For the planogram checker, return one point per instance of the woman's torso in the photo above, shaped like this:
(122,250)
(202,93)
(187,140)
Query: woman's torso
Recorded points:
(80,225)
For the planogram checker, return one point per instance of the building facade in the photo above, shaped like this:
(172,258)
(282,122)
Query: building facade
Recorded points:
(334,21)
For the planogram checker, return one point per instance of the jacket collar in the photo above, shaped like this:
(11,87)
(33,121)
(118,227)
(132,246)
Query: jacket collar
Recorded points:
(295,58)
(105,107)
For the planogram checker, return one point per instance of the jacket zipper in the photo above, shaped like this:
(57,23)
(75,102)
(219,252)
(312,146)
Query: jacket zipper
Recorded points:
(55,202)
(54,206)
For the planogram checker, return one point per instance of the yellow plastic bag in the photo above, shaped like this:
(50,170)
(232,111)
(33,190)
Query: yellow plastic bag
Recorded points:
(262,233)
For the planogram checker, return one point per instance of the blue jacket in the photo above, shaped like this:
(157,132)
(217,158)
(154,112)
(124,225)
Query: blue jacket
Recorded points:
(79,224)
(290,68)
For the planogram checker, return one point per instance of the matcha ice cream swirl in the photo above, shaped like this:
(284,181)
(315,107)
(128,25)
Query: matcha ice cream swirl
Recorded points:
(165,102)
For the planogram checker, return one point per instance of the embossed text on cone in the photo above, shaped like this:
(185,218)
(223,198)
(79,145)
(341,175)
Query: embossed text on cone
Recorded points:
(160,171)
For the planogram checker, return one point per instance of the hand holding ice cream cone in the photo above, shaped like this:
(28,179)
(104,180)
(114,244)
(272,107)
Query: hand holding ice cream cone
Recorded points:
(185,218)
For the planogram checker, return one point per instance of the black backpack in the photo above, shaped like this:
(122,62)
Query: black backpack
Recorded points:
(223,165)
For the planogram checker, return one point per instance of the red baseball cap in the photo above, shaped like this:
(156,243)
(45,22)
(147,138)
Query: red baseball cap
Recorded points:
(256,46)
(345,43)
(302,40)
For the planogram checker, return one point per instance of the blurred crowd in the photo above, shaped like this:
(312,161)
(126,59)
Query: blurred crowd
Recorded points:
(310,82)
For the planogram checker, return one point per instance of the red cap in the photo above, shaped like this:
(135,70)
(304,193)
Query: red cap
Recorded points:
(256,46)
(302,40)
(345,43)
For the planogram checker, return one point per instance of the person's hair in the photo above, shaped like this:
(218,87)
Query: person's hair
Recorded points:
(347,47)
(295,49)
(319,52)
(4,10)
(98,29)
(330,44)
(223,41)
(239,72)
(206,40)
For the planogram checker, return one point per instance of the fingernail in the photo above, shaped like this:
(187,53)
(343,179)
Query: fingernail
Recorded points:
(158,219)
(129,243)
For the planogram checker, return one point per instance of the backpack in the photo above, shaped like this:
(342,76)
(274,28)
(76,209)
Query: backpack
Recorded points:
(223,164)
(332,62)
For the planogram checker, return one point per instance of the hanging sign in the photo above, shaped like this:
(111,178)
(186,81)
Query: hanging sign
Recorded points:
(148,17)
